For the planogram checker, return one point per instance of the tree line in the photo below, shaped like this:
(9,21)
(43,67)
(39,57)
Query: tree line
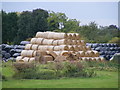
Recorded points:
(18,26)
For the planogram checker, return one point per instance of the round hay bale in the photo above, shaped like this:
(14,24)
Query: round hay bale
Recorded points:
(30,53)
(74,42)
(50,48)
(96,53)
(39,34)
(90,53)
(32,59)
(34,47)
(60,36)
(62,42)
(51,35)
(69,42)
(78,42)
(42,48)
(77,36)
(28,46)
(33,41)
(39,41)
(76,48)
(24,53)
(87,54)
(47,42)
(80,48)
(77,54)
(61,47)
(19,58)
(71,48)
(71,36)
(97,58)
(62,53)
(82,54)
(82,42)
(34,53)
(88,48)
(84,48)
(55,42)
(26,59)
(46,34)
(93,59)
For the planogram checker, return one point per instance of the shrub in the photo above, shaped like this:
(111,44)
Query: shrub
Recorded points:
(115,40)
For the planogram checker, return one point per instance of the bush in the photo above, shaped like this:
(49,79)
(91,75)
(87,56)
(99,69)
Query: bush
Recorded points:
(115,40)
(53,70)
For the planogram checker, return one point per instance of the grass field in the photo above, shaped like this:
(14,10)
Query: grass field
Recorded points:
(104,79)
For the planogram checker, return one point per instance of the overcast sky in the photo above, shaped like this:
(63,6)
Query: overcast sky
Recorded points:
(103,13)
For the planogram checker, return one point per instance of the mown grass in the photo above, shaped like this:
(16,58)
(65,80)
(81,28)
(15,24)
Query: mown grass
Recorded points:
(104,79)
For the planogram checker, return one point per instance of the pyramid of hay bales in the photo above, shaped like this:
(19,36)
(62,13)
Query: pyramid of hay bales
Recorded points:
(52,46)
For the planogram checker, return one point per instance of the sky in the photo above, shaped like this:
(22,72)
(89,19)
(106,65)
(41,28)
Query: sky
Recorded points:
(103,13)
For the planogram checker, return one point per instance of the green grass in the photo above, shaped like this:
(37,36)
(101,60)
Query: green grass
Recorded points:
(104,79)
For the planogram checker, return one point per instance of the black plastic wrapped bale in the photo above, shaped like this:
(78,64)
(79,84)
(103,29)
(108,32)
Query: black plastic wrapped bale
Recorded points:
(20,47)
(7,55)
(16,54)
(101,52)
(24,42)
(8,48)
(98,49)
(116,57)
(4,59)
(3,53)
(3,46)
(95,45)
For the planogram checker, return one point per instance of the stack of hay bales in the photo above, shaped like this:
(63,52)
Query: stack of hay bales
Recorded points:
(53,46)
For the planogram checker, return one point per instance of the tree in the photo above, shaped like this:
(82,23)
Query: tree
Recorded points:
(40,23)
(25,26)
(71,25)
(56,21)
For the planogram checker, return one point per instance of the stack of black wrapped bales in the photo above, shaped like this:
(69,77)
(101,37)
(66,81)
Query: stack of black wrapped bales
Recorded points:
(106,50)
(9,52)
